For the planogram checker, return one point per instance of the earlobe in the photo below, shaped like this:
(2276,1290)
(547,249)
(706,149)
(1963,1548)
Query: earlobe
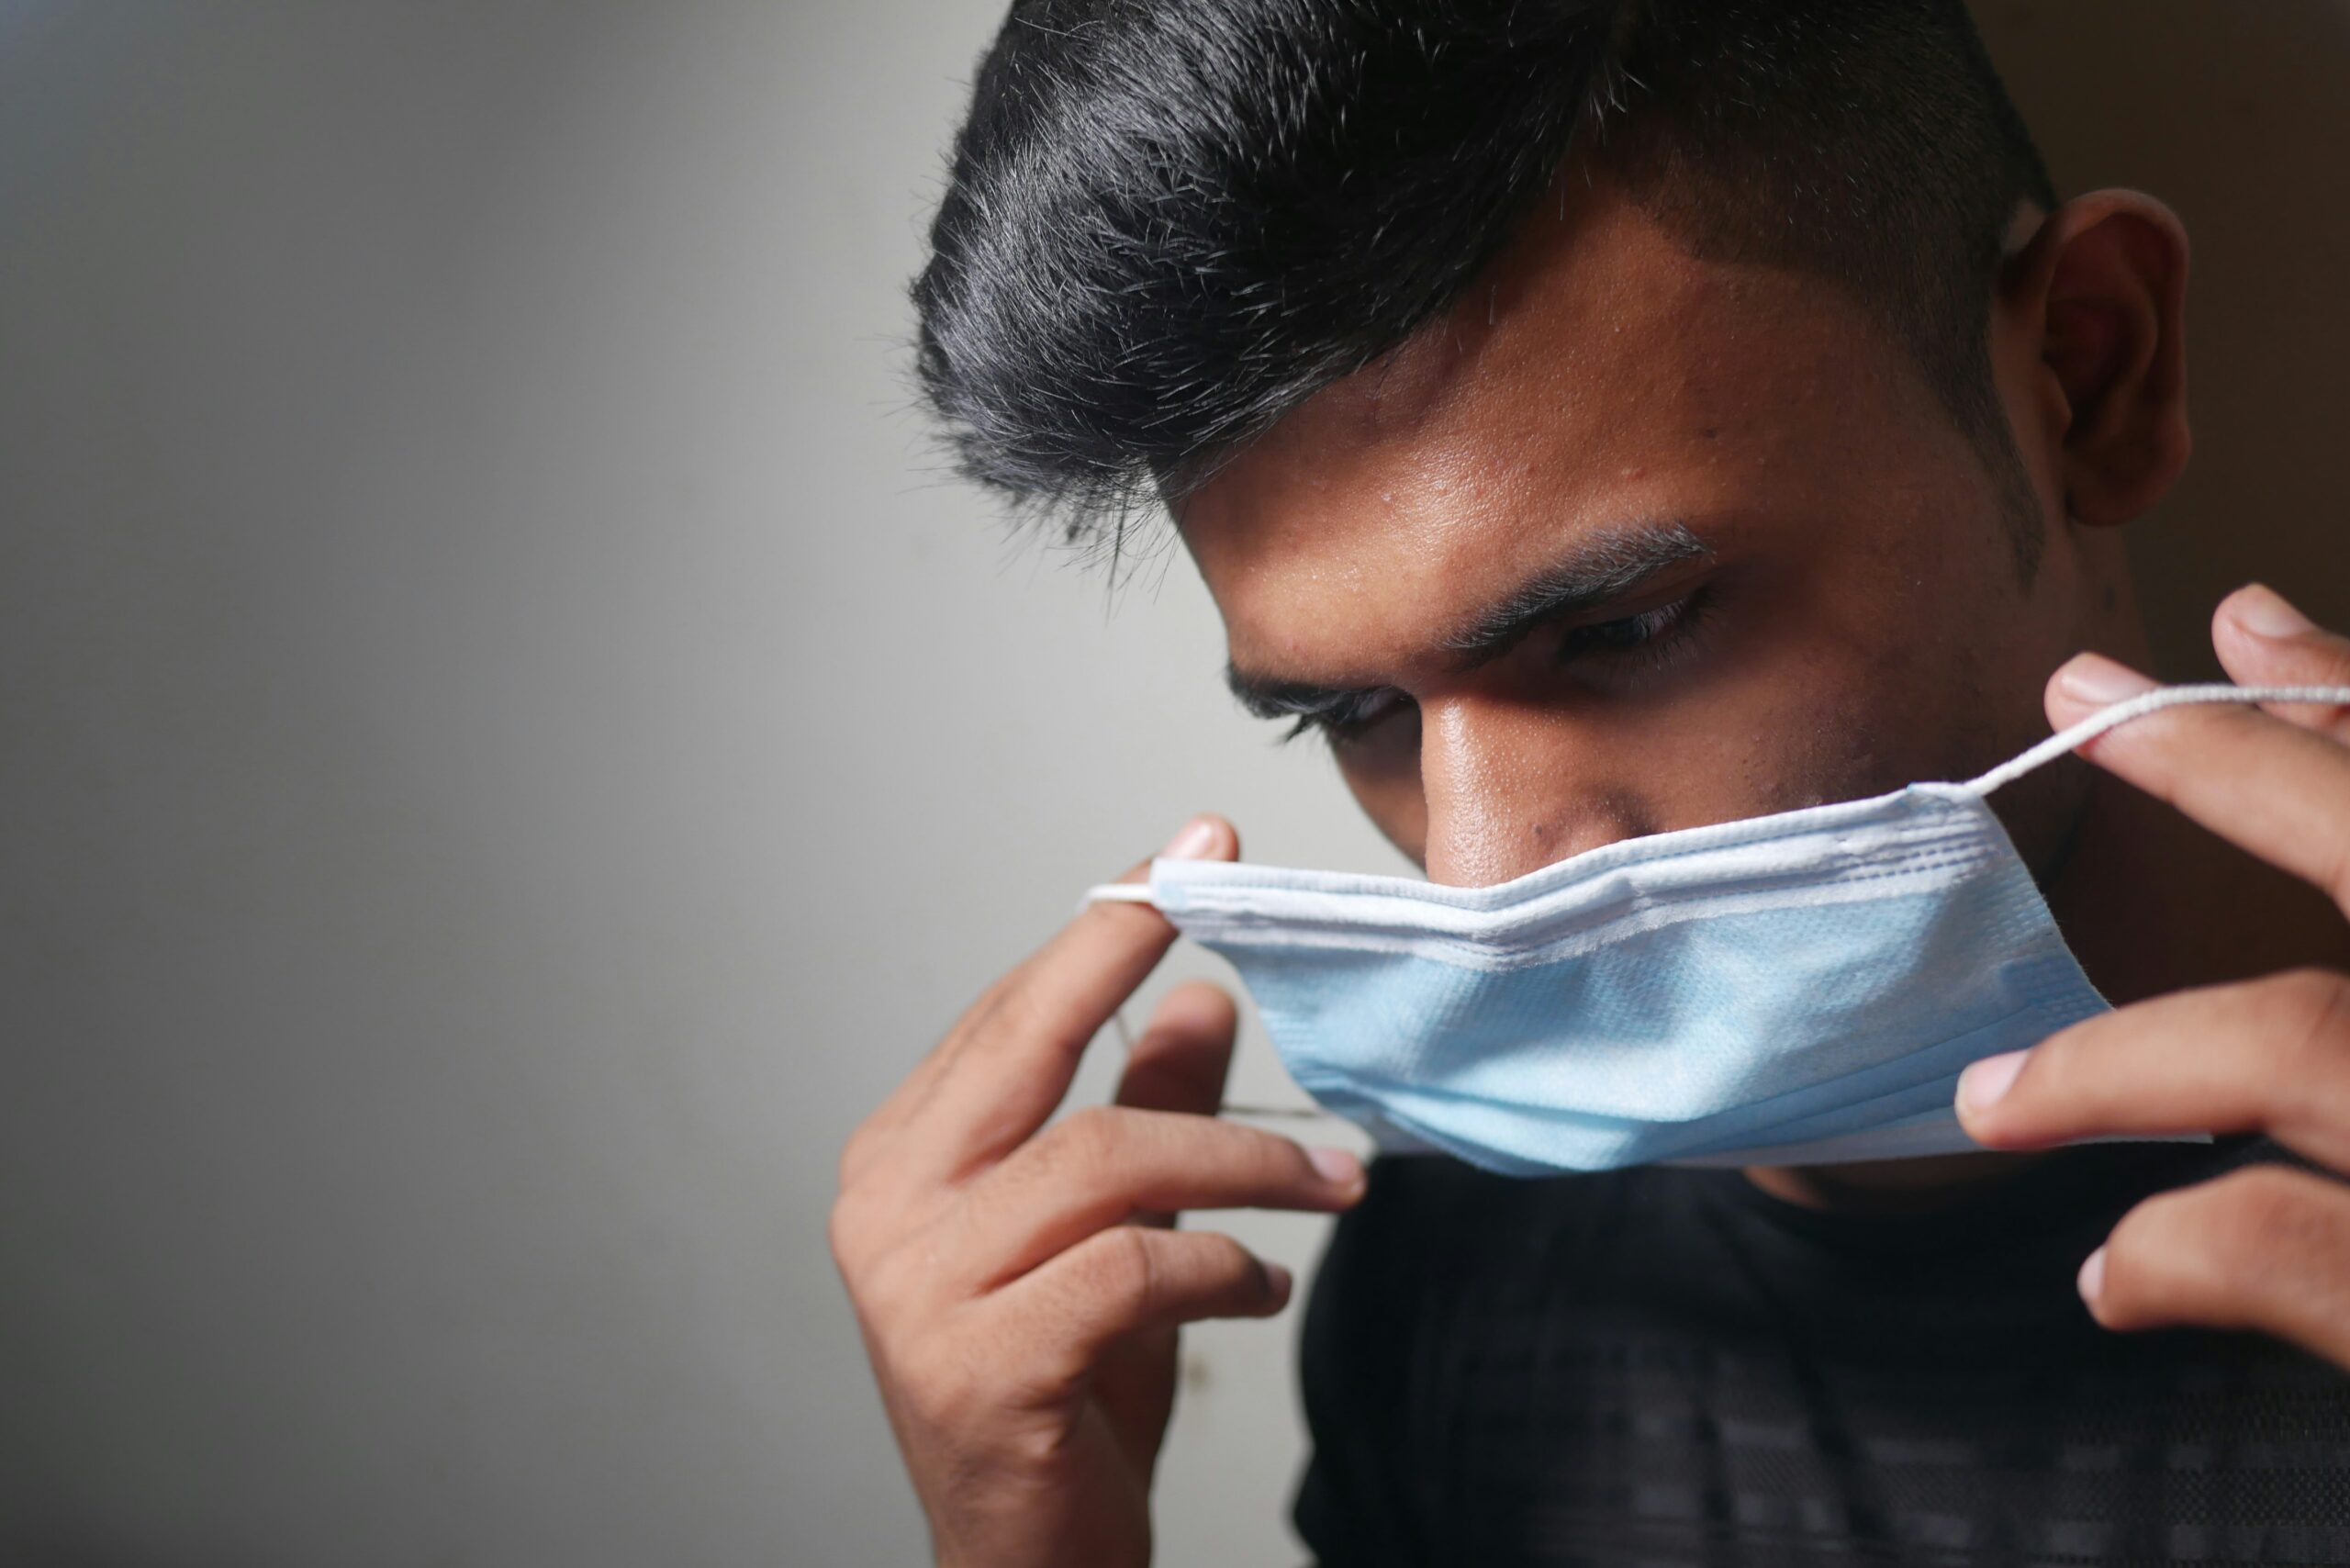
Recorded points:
(2107,275)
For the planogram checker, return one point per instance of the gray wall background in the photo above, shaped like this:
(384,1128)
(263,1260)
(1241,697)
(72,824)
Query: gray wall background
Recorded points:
(509,748)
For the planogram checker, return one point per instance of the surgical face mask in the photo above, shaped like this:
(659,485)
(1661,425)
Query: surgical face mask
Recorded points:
(1796,989)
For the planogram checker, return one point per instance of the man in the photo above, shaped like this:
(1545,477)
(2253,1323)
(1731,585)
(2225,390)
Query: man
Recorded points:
(1599,419)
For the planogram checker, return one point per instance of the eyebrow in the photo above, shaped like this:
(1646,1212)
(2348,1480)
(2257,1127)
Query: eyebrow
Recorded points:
(1600,569)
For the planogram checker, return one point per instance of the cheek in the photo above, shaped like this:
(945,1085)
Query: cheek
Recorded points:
(1814,698)
(1901,657)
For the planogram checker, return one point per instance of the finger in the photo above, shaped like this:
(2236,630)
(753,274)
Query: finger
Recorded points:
(2270,786)
(918,1083)
(1005,1067)
(2262,640)
(1181,1061)
(2270,1054)
(2264,1249)
(1102,1166)
(1124,1281)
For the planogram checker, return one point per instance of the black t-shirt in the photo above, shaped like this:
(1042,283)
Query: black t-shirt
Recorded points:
(1666,1367)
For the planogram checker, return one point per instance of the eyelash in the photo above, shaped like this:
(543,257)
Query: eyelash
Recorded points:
(1651,638)
(1346,723)
(1660,633)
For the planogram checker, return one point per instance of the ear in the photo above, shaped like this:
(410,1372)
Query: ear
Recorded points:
(2102,287)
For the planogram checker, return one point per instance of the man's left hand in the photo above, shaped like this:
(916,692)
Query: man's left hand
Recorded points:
(2265,1247)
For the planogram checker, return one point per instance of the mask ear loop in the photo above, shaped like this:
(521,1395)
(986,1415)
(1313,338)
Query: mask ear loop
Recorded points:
(1230,1107)
(2077,736)
(1139,892)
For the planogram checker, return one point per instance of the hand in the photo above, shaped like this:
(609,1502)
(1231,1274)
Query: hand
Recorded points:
(1020,1291)
(2264,1248)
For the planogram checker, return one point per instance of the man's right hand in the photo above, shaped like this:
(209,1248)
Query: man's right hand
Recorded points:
(1020,1290)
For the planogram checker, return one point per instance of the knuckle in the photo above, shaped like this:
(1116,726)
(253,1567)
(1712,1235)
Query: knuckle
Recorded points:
(1110,1282)
(858,1226)
(1021,1016)
(2194,1254)
(984,1005)
(2316,1005)
(903,1299)
(1014,1007)
(894,1262)
(844,1233)
(858,1156)
(875,1284)
(943,1387)
(2307,1040)
(855,1228)
(1008,1008)
(1091,1138)
(1126,1273)
(2269,1214)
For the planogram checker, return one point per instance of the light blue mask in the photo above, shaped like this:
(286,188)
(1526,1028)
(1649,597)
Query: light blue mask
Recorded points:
(1794,988)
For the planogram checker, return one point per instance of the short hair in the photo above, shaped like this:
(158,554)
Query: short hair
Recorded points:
(1169,222)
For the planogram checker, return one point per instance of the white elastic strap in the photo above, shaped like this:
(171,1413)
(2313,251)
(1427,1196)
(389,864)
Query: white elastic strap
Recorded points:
(1117,892)
(1229,1108)
(2122,712)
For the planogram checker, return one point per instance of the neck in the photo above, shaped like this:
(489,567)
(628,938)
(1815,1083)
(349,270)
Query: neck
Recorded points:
(2149,903)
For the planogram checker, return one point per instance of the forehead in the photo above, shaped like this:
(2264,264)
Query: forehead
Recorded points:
(1595,376)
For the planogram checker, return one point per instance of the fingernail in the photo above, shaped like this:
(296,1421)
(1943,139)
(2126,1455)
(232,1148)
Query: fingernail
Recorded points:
(1982,1085)
(1335,1166)
(1278,1278)
(1197,837)
(2098,681)
(2262,610)
(2092,1276)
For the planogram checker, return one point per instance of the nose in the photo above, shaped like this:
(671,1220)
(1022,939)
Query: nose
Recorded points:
(1510,787)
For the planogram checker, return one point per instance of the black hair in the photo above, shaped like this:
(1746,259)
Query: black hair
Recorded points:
(1168,222)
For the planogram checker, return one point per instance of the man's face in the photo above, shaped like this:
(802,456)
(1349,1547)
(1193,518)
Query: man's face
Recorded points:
(1633,542)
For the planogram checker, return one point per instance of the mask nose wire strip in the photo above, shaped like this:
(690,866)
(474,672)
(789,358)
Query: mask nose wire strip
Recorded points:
(2122,712)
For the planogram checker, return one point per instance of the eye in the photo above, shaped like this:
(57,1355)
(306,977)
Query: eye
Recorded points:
(1650,635)
(1350,720)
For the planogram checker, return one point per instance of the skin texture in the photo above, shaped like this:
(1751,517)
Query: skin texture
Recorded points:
(2264,1249)
(1865,621)
(1862,620)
